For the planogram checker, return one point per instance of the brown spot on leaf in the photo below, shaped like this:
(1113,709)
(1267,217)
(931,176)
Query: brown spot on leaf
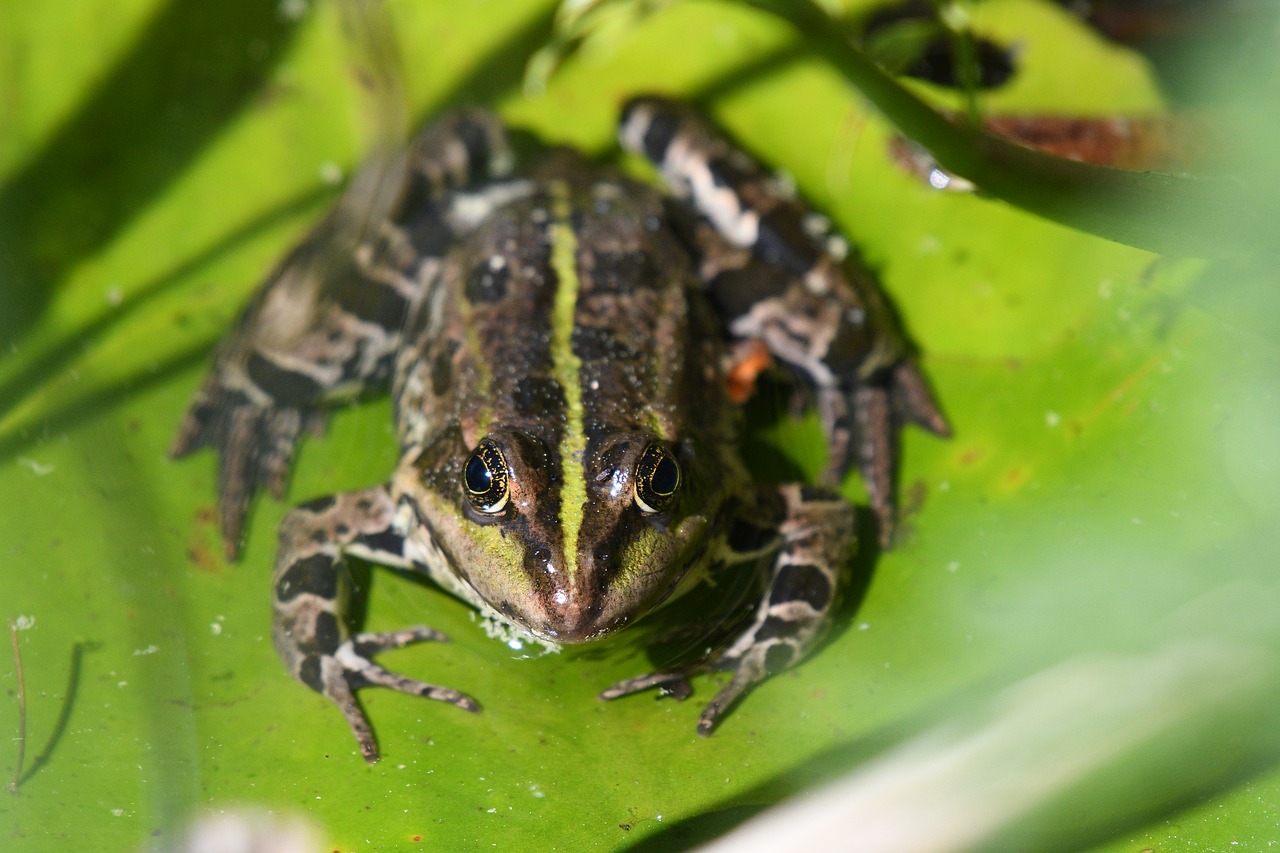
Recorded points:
(913,497)
(199,550)
(201,556)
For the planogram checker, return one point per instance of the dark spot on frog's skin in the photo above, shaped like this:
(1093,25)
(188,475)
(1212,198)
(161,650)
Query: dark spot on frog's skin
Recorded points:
(487,281)
(781,240)
(849,347)
(442,368)
(312,575)
(386,542)
(416,193)
(662,128)
(373,303)
(730,173)
(327,635)
(745,537)
(596,344)
(736,291)
(309,673)
(537,395)
(430,235)
(474,137)
(773,628)
(622,273)
(284,386)
(778,658)
(802,582)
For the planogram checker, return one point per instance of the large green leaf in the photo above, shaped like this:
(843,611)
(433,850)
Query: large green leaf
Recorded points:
(1109,493)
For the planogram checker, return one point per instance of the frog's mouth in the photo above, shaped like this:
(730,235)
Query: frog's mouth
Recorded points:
(598,599)
(564,624)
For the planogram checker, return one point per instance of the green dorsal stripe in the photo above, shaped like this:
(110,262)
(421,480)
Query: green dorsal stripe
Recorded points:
(568,371)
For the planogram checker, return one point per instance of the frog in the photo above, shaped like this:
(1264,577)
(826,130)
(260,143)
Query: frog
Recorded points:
(562,342)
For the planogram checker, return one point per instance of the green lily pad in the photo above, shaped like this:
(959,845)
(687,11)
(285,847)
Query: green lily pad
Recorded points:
(1109,493)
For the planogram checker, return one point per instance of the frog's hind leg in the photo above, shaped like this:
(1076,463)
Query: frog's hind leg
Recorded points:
(326,325)
(801,590)
(310,594)
(776,274)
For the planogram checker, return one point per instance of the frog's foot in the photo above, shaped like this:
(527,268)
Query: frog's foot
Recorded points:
(748,668)
(862,424)
(801,589)
(255,444)
(670,683)
(350,667)
(310,585)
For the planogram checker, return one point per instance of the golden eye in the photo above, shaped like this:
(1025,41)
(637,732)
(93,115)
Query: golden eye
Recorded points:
(657,480)
(485,479)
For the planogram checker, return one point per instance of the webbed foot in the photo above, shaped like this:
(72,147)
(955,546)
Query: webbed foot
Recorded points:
(801,589)
(350,667)
(675,684)
(863,420)
(255,444)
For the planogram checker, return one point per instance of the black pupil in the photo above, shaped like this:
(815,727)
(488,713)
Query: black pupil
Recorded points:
(665,476)
(479,477)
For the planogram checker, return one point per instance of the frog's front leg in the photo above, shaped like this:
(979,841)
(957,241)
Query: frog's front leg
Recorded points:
(310,596)
(803,586)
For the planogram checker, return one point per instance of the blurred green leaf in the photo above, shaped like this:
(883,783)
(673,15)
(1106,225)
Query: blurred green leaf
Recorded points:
(1110,487)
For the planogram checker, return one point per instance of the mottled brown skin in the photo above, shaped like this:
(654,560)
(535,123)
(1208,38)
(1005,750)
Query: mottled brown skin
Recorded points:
(559,347)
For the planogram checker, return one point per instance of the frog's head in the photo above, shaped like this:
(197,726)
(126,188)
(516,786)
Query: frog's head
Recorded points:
(568,549)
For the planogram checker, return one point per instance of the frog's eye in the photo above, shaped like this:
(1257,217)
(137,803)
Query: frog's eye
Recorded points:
(657,479)
(485,479)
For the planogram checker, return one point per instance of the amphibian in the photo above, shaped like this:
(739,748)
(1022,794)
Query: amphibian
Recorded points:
(560,344)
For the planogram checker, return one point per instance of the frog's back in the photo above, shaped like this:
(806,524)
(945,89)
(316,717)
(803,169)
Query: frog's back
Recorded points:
(569,313)
(562,411)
